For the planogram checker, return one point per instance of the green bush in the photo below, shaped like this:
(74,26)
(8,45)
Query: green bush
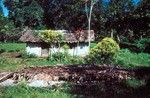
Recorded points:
(66,48)
(143,43)
(58,56)
(103,52)
(26,55)
(65,58)
(108,46)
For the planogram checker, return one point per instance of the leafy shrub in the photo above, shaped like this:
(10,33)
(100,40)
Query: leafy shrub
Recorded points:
(58,56)
(142,44)
(65,58)
(66,48)
(103,52)
(108,46)
(51,36)
(76,60)
(27,55)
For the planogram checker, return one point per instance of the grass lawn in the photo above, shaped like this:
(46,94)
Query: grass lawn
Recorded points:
(125,58)
(23,91)
(11,47)
(11,64)
(128,59)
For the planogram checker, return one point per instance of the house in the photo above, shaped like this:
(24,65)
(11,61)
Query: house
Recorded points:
(78,43)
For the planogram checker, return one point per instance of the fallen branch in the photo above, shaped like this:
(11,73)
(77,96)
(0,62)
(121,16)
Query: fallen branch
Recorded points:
(7,76)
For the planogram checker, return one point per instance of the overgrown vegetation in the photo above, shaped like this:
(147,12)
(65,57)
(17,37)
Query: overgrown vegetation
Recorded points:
(128,59)
(104,52)
(51,36)
(7,64)
(135,83)
(65,58)
(25,55)
(23,91)
(143,44)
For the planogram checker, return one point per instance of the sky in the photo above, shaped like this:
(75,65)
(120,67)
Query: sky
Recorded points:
(6,12)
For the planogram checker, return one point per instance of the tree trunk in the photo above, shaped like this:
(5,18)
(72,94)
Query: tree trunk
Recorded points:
(89,26)
(112,33)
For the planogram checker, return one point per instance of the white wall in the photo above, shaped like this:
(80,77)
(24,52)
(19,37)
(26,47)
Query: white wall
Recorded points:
(33,49)
(81,50)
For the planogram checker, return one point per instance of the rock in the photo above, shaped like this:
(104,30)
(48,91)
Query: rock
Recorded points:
(38,83)
(43,76)
(8,82)
(66,75)
(55,78)
(42,83)
(56,83)
(120,77)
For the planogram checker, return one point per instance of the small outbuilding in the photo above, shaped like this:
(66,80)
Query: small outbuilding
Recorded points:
(77,42)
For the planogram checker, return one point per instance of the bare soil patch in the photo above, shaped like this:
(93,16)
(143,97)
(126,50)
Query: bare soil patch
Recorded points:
(90,80)
(78,73)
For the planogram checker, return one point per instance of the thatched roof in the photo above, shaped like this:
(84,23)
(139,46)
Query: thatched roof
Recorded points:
(69,37)
(29,36)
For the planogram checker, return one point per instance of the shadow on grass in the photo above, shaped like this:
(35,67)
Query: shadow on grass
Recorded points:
(92,84)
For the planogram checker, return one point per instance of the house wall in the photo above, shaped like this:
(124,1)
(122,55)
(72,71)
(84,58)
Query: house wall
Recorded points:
(36,49)
(33,48)
(80,50)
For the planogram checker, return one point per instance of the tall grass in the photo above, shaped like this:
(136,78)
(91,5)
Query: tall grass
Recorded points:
(23,91)
(129,59)
(39,62)
(11,64)
(11,47)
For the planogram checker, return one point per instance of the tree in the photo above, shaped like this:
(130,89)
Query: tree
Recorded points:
(143,10)
(7,29)
(57,14)
(88,14)
(117,10)
(63,14)
(142,17)
(25,13)
(1,9)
